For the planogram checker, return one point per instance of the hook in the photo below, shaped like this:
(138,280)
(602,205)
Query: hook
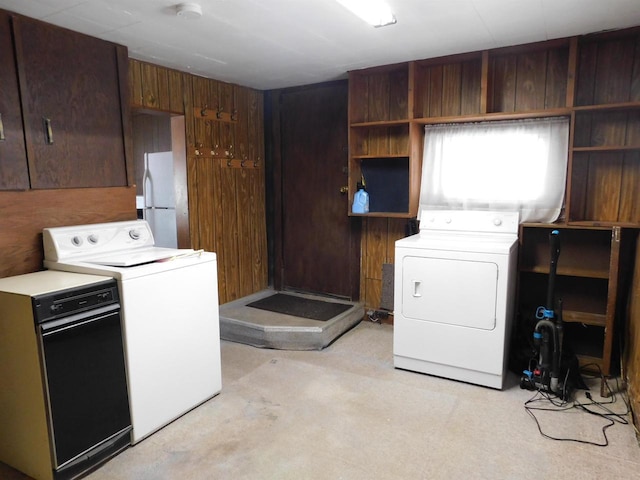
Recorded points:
(234,114)
(203,111)
(219,112)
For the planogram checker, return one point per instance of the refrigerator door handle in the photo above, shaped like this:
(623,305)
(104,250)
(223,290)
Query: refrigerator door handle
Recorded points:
(147,191)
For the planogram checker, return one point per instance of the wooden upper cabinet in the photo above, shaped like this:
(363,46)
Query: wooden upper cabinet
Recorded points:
(74,105)
(13,159)
(609,69)
(155,88)
(448,87)
(528,78)
(605,156)
(135,84)
(379,95)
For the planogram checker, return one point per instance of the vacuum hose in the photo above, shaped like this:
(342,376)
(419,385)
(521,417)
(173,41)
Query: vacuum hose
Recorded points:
(544,352)
(547,320)
(554,242)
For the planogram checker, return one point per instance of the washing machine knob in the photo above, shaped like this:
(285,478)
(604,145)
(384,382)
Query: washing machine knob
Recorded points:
(497,221)
(76,240)
(93,239)
(134,234)
(447,220)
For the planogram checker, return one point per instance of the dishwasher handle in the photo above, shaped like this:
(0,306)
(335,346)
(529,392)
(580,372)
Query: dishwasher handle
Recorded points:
(75,321)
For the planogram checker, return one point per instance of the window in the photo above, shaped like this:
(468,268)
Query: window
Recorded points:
(518,165)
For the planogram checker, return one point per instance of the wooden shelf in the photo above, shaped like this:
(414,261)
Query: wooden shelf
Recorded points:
(598,224)
(380,124)
(554,112)
(382,214)
(607,107)
(595,319)
(589,363)
(389,156)
(607,148)
(567,272)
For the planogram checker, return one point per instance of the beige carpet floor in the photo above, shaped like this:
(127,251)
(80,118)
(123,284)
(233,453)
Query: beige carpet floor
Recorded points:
(346,413)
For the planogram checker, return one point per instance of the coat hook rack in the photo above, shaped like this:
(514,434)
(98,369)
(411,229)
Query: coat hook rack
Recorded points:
(218,114)
(245,163)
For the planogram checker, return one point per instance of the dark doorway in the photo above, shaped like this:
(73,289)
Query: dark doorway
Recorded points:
(316,244)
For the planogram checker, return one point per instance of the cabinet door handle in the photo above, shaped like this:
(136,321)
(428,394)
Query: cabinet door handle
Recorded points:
(48,132)
(1,129)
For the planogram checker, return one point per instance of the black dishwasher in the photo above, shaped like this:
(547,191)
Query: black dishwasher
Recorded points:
(82,358)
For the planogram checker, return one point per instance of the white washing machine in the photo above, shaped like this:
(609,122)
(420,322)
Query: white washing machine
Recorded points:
(170,314)
(454,295)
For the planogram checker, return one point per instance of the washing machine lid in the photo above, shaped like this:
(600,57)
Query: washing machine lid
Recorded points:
(136,257)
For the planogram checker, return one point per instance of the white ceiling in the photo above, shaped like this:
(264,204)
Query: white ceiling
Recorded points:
(267,44)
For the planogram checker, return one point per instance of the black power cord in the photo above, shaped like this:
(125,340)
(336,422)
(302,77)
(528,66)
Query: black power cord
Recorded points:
(560,405)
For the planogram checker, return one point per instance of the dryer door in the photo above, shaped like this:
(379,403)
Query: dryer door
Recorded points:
(450,291)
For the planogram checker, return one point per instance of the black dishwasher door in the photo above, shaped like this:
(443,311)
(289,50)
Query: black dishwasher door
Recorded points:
(86,382)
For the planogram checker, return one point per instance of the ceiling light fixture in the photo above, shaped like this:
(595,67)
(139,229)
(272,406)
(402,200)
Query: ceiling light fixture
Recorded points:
(374,12)
(190,11)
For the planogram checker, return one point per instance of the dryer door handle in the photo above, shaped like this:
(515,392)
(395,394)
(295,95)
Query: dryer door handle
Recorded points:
(416,288)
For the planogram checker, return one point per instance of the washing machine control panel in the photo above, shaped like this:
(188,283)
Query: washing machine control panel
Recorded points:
(62,243)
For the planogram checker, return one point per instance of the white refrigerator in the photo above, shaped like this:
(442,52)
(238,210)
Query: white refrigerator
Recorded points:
(159,199)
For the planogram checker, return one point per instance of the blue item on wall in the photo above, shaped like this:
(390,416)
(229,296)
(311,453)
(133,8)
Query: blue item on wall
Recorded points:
(360,200)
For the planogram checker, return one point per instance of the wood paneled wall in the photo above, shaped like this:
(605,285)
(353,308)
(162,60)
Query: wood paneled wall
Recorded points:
(632,349)
(24,214)
(378,247)
(226,200)
(225,168)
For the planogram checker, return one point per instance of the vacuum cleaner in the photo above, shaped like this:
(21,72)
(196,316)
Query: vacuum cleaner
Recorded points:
(545,371)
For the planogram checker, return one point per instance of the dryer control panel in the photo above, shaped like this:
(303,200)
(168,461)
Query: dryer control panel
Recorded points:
(481,221)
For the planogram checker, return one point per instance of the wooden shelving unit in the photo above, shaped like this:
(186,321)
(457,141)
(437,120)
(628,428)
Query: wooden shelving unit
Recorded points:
(590,79)
(590,282)
(379,138)
(593,81)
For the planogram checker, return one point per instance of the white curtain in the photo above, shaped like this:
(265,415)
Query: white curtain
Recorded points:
(518,165)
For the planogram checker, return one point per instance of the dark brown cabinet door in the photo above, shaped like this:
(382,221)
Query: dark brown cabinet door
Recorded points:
(71,105)
(13,159)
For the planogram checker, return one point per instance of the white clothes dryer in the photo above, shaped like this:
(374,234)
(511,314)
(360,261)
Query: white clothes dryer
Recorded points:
(454,295)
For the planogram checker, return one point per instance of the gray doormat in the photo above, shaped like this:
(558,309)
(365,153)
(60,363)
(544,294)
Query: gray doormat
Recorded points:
(300,306)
